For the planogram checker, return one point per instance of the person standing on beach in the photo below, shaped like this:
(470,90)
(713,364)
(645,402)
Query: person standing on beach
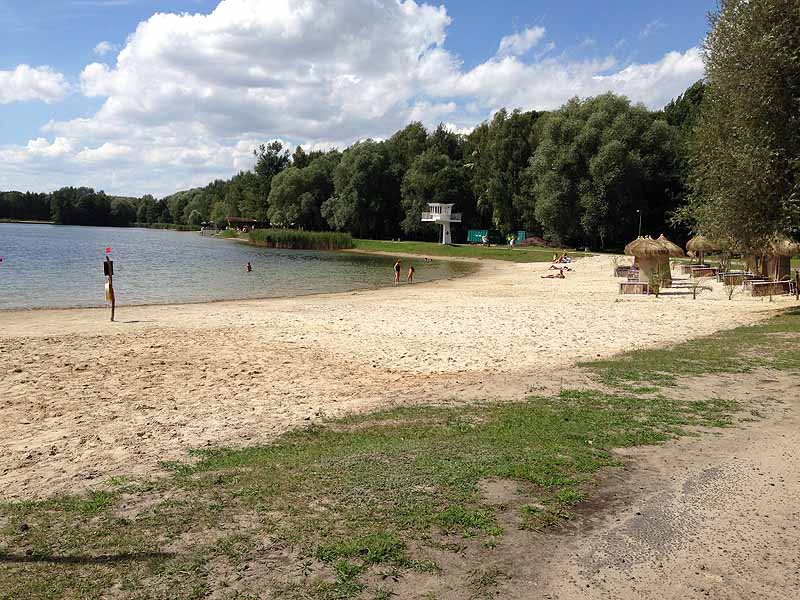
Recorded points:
(410,277)
(397,266)
(249,267)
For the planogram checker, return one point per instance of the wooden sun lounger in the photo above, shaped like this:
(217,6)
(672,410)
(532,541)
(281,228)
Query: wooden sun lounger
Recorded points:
(771,288)
(748,283)
(703,271)
(733,278)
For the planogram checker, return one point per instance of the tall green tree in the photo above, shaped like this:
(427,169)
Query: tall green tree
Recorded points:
(598,162)
(271,159)
(746,152)
(298,193)
(366,199)
(498,153)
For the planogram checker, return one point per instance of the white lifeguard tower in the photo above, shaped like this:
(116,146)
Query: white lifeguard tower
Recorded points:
(444,215)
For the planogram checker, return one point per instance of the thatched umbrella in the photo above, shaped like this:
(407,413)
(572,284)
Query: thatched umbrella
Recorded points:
(673,250)
(777,262)
(699,245)
(648,252)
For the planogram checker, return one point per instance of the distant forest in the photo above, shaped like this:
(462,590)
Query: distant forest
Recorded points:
(576,176)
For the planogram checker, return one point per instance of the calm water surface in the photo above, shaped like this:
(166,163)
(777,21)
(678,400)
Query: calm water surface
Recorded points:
(48,266)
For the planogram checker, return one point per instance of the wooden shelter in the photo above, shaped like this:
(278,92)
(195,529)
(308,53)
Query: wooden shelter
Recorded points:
(649,254)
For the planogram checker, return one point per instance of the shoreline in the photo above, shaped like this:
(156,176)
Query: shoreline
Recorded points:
(26,222)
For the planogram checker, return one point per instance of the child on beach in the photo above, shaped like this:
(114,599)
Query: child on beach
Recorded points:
(410,277)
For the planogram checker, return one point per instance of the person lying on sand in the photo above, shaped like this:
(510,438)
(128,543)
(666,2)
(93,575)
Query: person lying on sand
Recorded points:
(555,268)
(559,275)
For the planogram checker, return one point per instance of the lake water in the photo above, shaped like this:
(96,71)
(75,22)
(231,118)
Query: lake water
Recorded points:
(48,266)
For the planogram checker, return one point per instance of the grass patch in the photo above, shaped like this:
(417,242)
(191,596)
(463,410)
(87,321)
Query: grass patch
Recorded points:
(294,239)
(772,344)
(524,255)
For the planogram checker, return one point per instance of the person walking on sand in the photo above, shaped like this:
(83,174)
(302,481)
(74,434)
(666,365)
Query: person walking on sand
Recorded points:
(397,266)
(410,277)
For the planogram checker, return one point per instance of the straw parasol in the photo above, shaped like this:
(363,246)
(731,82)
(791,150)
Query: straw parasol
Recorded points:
(699,245)
(649,253)
(785,247)
(673,249)
(663,267)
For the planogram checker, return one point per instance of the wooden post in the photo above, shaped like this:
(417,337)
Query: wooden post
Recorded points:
(108,268)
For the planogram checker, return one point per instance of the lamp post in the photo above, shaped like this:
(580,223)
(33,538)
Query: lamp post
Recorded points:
(640,223)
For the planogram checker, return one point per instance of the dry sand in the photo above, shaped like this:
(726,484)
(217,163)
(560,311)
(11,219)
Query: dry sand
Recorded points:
(83,399)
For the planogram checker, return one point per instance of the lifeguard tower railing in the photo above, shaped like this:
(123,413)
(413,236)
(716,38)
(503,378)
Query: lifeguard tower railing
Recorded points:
(442,216)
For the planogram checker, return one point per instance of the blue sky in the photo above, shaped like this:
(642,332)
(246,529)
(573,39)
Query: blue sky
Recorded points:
(194,94)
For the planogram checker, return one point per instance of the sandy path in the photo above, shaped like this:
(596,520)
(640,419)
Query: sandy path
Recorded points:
(82,399)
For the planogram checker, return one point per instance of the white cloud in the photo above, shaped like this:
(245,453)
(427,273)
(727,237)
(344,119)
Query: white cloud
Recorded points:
(189,96)
(547,84)
(520,43)
(41,147)
(459,130)
(108,151)
(32,83)
(431,113)
(104,48)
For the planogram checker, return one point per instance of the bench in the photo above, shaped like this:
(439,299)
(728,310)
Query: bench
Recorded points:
(634,287)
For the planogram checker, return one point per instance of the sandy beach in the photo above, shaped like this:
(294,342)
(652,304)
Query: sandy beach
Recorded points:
(83,399)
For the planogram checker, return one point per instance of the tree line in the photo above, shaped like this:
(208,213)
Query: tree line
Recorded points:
(575,176)
(72,206)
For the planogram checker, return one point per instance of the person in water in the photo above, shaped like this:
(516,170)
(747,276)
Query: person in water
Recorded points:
(397,267)
(249,267)
(410,277)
